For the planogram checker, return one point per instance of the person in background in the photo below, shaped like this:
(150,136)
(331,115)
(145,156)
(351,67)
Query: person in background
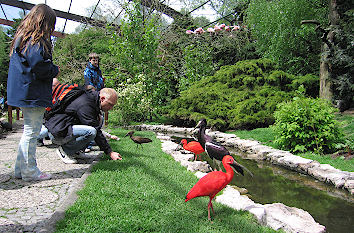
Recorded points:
(29,84)
(93,80)
(92,74)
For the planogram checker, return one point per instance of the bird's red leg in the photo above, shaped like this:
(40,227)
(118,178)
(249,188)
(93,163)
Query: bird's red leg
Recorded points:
(209,213)
(212,208)
(210,205)
(195,157)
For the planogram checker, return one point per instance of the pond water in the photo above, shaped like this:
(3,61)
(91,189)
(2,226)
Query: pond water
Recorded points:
(329,206)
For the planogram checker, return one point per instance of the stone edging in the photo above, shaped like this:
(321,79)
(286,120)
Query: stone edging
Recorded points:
(255,150)
(277,215)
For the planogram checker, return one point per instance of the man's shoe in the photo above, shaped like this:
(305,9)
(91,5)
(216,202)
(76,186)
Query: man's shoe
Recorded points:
(87,150)
(81,155)
(65,157)
(40,142)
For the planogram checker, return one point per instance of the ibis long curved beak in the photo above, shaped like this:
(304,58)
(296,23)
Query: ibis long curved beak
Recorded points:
(198,125)
(239,168)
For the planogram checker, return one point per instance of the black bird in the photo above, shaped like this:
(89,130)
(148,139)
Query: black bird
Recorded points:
(6,126)
(215,150)
(137,139)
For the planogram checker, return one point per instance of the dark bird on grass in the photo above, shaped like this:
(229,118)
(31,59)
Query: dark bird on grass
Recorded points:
(6,126)
(193,147)
(137,139)
(215,150)
(214,182)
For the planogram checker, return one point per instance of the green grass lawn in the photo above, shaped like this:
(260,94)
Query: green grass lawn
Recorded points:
(266,136)
(145,192)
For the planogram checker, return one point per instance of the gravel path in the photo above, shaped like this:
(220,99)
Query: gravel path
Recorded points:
(36,206)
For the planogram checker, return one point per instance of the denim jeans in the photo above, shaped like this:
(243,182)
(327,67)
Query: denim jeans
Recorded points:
(26,164)
(82,136)
(43,133)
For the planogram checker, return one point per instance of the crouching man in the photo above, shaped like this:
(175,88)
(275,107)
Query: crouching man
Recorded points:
(80,123)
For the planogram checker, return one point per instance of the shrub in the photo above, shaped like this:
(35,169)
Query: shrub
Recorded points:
(306,124)
(243,95)
(132,104)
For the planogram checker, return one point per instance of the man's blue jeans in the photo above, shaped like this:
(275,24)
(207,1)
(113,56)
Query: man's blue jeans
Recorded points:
(26,164)
(82,136)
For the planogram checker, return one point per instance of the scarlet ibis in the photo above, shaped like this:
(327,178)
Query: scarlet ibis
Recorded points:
(137,139)
(193,146)
(215,151)
(214,182)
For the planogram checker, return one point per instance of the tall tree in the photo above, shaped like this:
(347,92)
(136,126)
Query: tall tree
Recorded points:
(276,27)
(337,66)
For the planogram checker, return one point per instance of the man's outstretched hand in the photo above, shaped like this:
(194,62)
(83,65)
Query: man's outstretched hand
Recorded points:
(115,156)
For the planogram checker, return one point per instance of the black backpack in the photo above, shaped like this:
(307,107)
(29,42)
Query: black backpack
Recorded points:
(62,96)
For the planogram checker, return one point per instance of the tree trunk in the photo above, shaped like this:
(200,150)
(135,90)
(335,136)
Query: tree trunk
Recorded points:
(326,91)
(325,75)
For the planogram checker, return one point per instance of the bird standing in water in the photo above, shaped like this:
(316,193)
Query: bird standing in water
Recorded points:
(214,182)
(215,151)
(137,139)
(193,147)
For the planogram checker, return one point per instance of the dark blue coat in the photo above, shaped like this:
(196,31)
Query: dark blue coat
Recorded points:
(30,77)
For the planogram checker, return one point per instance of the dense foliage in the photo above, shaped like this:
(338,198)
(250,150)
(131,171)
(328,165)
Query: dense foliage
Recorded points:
(341,59)
(193,57)
(276,27)
(71,54)
(306,124)
(138,64)
(244,95)
(4,61)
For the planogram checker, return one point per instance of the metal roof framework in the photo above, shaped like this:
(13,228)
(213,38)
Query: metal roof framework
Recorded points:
(152,4)
(61,14)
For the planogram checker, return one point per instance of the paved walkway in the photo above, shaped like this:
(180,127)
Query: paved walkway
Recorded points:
(36,206)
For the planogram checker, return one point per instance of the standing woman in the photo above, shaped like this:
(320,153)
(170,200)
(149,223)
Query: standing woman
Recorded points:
(29,84)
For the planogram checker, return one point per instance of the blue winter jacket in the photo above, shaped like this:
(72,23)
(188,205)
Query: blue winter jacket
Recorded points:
(93,77)
(31,73)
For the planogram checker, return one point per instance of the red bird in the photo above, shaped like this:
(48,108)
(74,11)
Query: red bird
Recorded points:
(193,147)
(214,182)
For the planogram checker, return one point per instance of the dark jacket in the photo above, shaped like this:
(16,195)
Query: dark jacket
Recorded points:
(84,110)
(93,77)
(30,77)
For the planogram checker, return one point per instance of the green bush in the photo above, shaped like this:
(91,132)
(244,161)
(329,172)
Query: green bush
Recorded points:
(241,96)
(132,104)
(306,124)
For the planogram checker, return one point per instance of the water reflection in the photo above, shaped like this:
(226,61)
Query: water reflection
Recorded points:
(329,206)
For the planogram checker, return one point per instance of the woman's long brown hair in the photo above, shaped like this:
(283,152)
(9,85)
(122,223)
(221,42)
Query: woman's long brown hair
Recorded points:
(39,25)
